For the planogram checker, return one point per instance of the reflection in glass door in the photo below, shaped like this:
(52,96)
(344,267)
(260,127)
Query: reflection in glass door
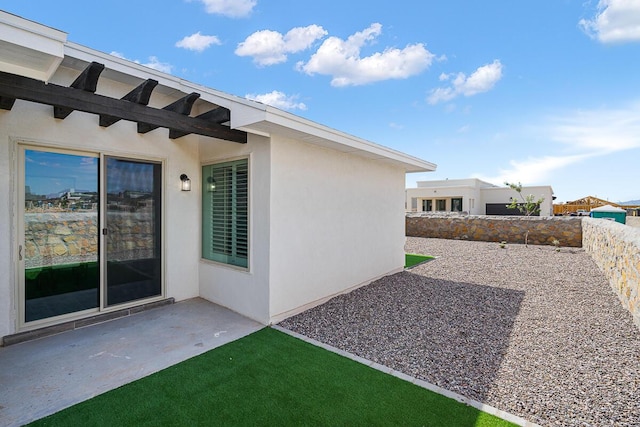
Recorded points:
(60,220)
(133,230)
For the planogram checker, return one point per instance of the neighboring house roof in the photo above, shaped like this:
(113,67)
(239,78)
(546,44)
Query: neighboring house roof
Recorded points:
(36,51)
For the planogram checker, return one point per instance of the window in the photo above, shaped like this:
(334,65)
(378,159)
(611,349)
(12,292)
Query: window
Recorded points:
(441,204)
(427,205)
(456,204)
(225,224)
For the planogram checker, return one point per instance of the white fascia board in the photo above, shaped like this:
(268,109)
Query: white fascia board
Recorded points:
(344,142)
(29,48)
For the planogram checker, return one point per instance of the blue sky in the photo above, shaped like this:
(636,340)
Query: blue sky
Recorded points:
(543,92)
(53,173)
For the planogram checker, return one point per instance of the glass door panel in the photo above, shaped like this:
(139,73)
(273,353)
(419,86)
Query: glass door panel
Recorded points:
(133,230)
(60,217)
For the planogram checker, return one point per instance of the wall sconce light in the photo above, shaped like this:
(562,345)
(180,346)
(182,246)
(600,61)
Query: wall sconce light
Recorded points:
(211,184)
(186,182)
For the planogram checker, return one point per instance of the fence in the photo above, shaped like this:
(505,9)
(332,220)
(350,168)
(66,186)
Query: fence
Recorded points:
(510,229)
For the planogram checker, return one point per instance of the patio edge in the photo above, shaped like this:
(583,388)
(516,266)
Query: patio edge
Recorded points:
(46,331)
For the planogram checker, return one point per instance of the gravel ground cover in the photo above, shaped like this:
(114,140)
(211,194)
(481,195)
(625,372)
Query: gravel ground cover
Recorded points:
(531,331)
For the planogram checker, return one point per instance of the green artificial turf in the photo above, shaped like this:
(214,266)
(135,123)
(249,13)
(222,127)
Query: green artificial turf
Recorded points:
(270,379)
(415,259)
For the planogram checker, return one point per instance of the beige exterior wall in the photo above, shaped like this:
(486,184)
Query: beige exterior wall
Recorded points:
(245,291)
(337,222)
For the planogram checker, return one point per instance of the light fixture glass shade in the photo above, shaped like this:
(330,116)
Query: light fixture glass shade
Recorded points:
(186,182)
(211,184)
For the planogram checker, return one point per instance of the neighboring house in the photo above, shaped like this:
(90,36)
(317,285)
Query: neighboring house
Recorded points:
(185,192)
(472,196)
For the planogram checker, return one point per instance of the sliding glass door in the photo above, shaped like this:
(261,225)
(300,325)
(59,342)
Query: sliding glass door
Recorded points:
(133,230)
(60,222)
(87,247)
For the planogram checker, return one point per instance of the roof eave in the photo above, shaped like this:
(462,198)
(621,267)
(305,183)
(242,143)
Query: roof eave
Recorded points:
(270,120)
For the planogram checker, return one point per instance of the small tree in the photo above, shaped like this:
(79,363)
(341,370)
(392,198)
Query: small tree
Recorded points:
(528,205)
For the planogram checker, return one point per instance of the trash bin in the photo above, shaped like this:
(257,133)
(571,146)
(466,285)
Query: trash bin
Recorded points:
(610,212)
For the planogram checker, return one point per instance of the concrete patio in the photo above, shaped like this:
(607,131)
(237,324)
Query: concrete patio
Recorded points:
(43,376)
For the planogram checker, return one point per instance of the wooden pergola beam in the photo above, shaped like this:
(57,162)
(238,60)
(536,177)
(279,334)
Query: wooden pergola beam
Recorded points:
(87,81)
(19,87)
(6,103)
(217,115)
(140,95)
(181,106)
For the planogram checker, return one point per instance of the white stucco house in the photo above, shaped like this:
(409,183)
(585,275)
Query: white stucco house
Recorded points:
(123,187)
(473,196)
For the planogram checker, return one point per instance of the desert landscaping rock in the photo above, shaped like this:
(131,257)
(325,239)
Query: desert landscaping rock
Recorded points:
(531,331)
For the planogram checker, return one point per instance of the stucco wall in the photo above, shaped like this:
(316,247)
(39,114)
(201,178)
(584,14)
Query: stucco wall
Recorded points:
(435,193)
(616,250)
(504,195)
(337,222)
(542,230)
(481,195)
(34,124)
(244,291)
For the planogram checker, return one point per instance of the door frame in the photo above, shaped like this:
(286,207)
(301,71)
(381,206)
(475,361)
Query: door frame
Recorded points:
(19,146)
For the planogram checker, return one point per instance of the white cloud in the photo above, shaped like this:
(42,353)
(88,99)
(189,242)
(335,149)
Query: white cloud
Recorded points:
(271,47)
(230,8)
(279,100)
(153,62)
(198,42)
(534,170)
(341,59)
(603,130)
(616,21)
(581,135)
(481,80)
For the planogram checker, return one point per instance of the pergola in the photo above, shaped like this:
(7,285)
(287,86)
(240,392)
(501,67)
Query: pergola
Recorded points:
(81,96)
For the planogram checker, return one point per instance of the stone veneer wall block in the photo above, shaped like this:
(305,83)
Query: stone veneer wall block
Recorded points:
(510,229)
(615,248)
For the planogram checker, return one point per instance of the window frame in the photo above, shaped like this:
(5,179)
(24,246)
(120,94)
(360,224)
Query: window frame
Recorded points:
(454,201)
(238,248)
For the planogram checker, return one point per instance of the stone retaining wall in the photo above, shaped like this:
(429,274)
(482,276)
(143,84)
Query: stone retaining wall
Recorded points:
(633,221)
(510,229)
(616,250)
